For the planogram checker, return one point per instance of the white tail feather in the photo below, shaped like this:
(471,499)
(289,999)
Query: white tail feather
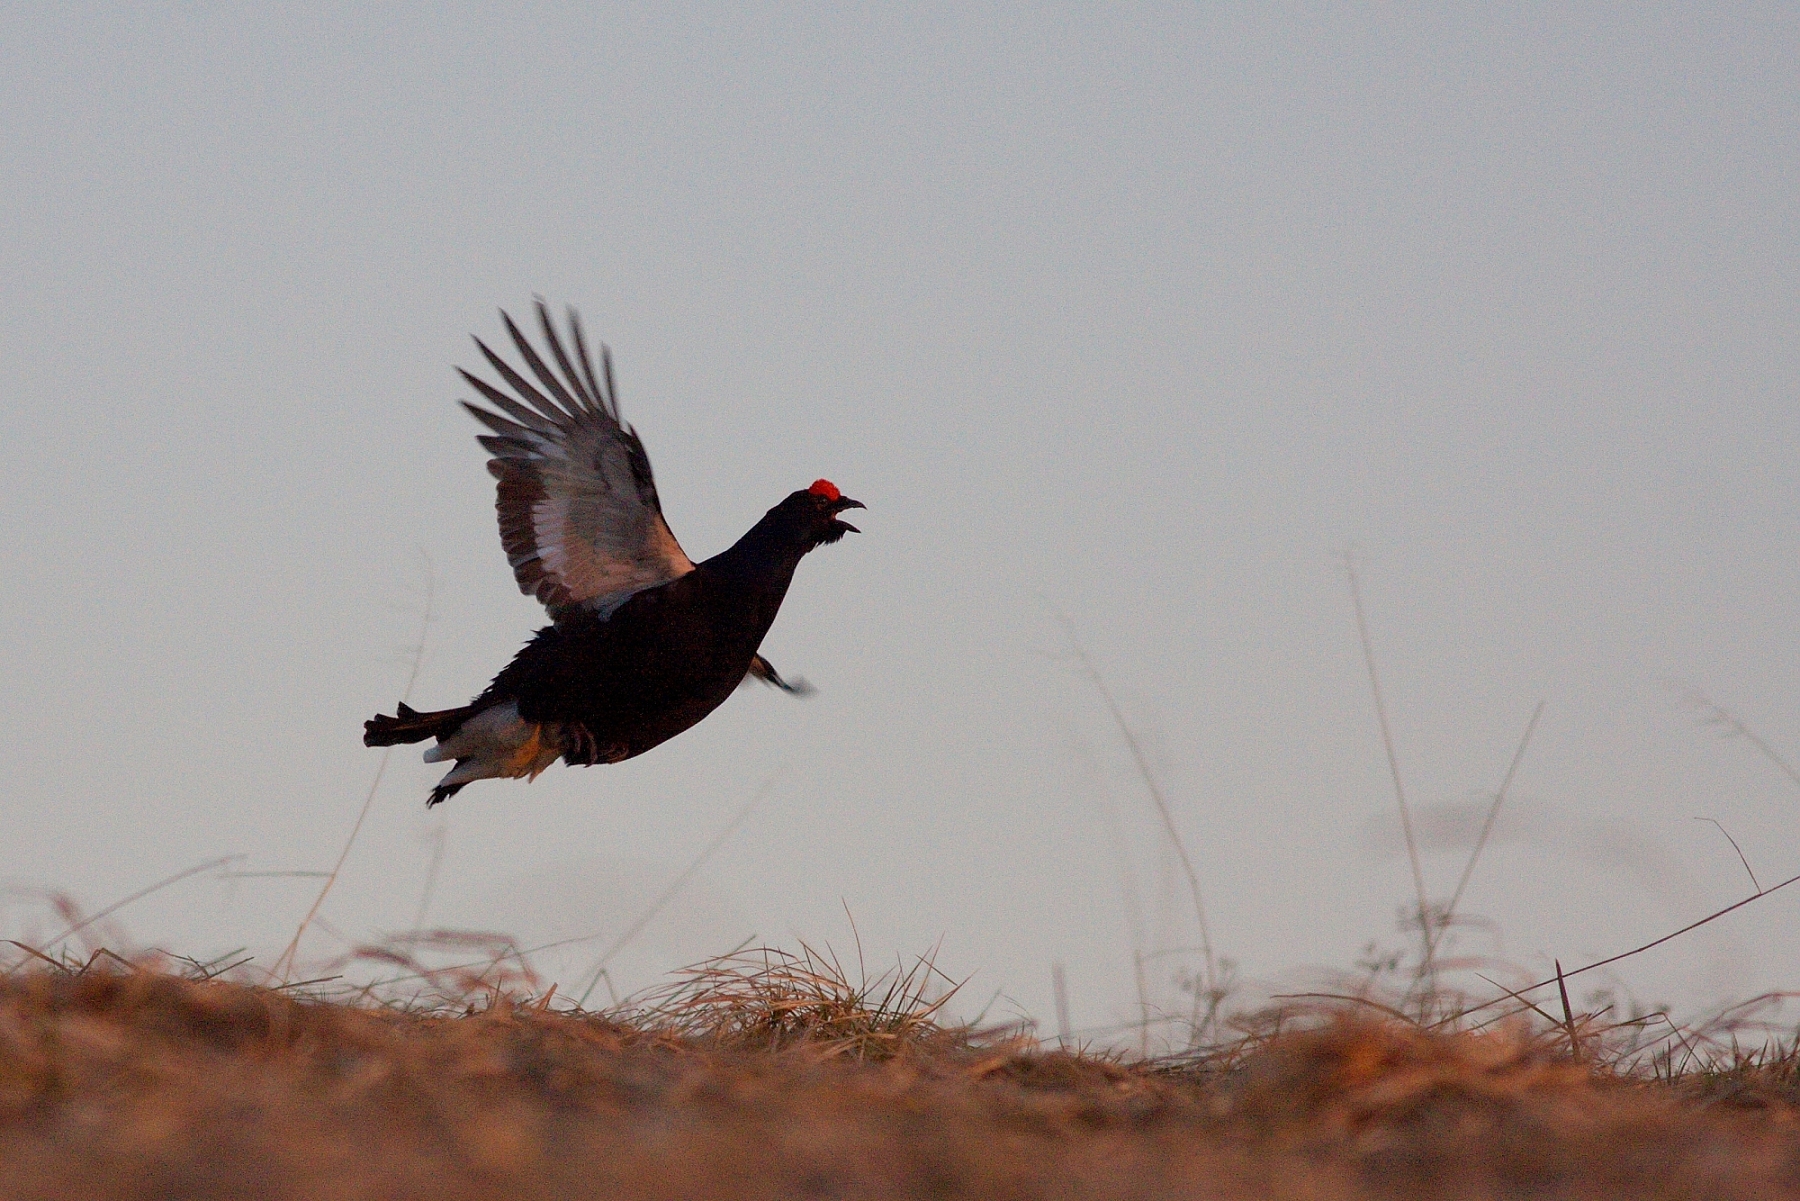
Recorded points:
(497,744)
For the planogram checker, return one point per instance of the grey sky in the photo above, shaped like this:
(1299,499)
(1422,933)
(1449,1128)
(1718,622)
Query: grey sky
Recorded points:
(1145,314)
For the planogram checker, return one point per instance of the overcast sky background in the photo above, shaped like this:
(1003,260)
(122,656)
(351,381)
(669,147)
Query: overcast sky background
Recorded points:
(1142,314)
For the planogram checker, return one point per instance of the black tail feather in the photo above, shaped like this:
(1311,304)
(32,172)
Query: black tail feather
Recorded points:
(409,725)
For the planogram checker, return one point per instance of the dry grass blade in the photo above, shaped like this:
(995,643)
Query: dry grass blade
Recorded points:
(1348,999)
(34,953)
(1719,715)
(1527,1002)
(140,894)
(1562,988)
(1754,882)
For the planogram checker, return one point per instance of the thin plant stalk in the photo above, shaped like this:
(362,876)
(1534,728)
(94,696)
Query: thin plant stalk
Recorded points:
(1720,715)
(431,875)
(675,886)
(1487,827)
(285,963)
(1428,965)
(140,894)
(1059,986)
(1163,811)
(1754,882)
(1611,959)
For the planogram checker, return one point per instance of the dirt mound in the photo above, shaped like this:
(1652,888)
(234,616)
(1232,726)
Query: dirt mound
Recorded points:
(141,1084)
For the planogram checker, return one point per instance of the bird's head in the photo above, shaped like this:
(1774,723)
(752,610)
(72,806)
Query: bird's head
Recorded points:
(814,513)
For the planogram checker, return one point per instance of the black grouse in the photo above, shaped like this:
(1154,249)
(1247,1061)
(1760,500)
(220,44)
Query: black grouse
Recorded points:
(644,643)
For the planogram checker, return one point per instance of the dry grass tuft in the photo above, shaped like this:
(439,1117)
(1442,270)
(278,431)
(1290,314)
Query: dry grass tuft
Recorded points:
(763,998)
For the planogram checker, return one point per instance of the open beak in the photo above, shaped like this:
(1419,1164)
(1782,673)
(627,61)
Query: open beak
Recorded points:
(842,503)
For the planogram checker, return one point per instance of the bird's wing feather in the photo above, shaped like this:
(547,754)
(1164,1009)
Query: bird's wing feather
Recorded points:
(579,516)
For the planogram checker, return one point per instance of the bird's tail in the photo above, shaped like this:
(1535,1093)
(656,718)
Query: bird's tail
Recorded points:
(409,725)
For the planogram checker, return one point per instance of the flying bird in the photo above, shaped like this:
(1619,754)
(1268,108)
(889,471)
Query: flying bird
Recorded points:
(643,642)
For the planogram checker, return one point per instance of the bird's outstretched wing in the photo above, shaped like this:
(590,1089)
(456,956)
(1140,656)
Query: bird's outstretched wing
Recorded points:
(579,516)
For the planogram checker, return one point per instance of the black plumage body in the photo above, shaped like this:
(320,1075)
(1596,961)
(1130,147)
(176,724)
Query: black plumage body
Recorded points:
(661,661)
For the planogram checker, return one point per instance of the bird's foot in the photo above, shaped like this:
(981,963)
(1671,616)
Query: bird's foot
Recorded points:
(579,745)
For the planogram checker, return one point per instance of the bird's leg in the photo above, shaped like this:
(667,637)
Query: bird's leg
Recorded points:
(762,669)
(579,745)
